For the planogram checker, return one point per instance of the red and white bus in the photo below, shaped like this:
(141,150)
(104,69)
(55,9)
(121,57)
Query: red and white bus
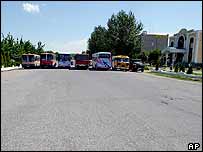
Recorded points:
(48,60)
(81,61)
(30,61)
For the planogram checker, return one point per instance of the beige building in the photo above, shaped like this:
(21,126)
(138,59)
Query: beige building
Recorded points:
(185,46)
(152,41)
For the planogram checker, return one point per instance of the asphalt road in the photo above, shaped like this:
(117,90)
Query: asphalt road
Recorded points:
(59,109)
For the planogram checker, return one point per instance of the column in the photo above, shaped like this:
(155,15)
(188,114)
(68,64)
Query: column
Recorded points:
(173,58)
(166,59)
(195,49)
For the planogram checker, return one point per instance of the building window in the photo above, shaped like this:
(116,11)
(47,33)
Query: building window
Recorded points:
(190,50)
(172,44)
(181,42)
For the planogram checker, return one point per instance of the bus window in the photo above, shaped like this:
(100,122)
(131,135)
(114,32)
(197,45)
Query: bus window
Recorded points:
(118,59)
(24,58)
(81,57)
(125,60)
(104,55)
(43,56)
(64,57)
(31,58)
(37,58)
(50,57)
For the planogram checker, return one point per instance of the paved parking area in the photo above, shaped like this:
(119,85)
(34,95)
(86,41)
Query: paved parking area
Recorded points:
(59,109)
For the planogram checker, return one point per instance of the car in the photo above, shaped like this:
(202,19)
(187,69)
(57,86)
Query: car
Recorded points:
(136,65)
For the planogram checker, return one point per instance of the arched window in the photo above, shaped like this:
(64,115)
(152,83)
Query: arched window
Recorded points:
(181,42)
(190,49)
(172,44)
(191,42)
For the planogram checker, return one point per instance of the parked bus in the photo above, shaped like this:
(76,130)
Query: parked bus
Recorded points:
(48,60)
(64,61)
(30,61)
(120,62)
(101,60)
(81,61)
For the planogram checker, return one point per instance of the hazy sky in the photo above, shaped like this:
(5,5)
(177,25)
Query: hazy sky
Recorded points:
(66,26)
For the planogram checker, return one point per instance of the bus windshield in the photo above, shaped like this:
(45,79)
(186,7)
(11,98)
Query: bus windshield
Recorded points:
(43,56)
(31,58)
(118,59)
(121,59)
(64,57)
(24,58)
(125,60)
(81,57)
(49,57)
(104,55)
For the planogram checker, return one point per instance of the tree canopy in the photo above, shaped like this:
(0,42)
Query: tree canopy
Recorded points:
(154,56)
(99,40)
(121,36)
(12,50)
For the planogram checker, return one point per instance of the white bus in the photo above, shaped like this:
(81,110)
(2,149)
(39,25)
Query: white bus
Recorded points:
(64,61)
(101,60)
(30,61)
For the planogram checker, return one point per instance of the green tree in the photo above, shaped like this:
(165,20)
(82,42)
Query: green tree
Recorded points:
(12,50)
(7,45)
(57,55)
(40,47)
(143,57)
(98,42)
(154,57)
(123,33)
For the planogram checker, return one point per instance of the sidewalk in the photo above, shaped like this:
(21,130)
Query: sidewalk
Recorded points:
(11,68)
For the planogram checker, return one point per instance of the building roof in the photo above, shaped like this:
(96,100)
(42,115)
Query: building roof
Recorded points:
(157,34)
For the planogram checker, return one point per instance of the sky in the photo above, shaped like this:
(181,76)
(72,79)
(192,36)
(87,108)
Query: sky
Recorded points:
(66,26)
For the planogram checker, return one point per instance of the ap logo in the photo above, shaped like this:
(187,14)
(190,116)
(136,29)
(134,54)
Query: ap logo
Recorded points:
(193,146)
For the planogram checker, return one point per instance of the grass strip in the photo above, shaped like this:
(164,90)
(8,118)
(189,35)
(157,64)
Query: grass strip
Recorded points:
(175,76)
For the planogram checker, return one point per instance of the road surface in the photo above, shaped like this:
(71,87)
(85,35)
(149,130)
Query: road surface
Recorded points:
(59,109)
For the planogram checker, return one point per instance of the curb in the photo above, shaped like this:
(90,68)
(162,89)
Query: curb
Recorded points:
(10,68)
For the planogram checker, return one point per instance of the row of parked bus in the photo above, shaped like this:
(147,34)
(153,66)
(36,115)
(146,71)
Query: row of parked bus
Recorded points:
(100,60)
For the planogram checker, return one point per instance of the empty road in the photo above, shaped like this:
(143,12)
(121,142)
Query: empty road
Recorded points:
(59,109)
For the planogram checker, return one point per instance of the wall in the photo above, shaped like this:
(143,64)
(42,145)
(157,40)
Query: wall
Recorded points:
(152,42)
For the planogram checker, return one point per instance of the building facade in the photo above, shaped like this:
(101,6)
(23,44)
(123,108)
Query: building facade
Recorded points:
(150,42)
(184,46)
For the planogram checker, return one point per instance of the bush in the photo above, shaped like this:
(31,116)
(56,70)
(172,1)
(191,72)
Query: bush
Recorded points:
(190,71)
(176,68)
(164,66)
(146,68)
(182,68)
(157,67)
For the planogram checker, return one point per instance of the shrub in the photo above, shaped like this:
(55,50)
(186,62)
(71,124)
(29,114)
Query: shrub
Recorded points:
(176,68)
(157,67)
(182,68)
(190,71)
(146,68)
